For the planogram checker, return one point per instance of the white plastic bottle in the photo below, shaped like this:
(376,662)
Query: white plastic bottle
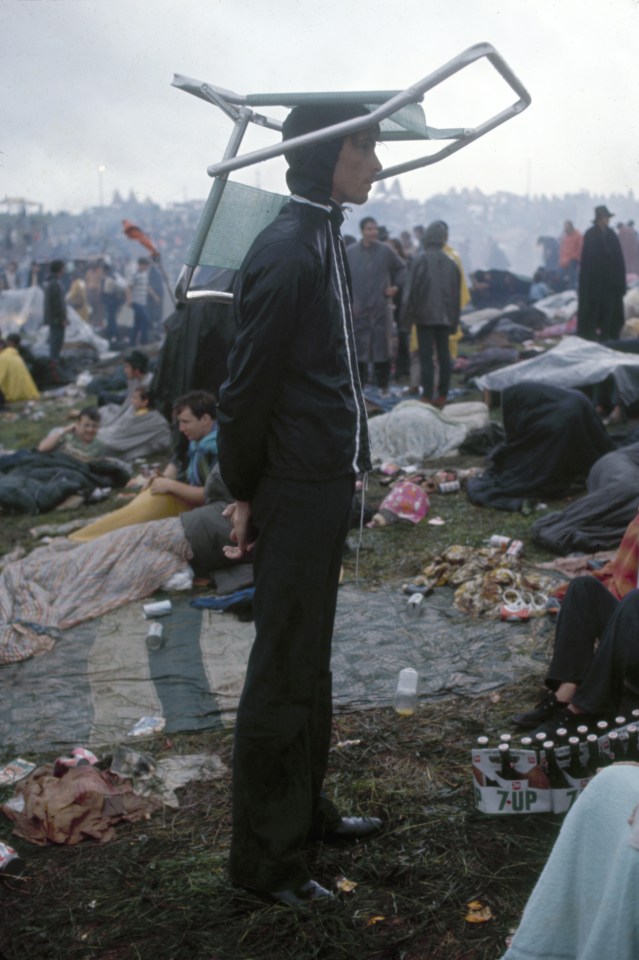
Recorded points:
(406,694)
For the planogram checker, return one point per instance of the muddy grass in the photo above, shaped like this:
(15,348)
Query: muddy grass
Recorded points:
(159,891)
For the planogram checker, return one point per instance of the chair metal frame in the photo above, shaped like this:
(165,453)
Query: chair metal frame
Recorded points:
(239,108)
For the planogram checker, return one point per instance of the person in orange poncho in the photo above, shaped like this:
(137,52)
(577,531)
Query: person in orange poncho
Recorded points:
(596,651)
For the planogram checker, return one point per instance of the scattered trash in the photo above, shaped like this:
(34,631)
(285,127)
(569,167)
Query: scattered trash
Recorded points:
(99,493)
(418,586)
(161,608)
(343,744)
(415,604)
(478,912)
(378,918)
(406,501)
(80,756)
(84,802)
(514,614)
(161,779)
(436,522)
(515,548)
(15,770)
(180,580)
(344,885)
(449,486)
(10,863)
(154,638)
(406,695)
(499,542)
(146,726)
(129,764)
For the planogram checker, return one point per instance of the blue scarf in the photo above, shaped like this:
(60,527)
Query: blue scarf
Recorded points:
(202,457)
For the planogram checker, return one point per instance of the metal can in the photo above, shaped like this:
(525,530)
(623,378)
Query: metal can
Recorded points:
(449,486)
(160,609)
(415,604)
(515,548)
(154,636)
(498,541)
(10,862)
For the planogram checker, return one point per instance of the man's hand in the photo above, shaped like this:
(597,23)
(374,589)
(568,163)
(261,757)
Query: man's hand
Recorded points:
(242,533)
(161,485)
(391,292)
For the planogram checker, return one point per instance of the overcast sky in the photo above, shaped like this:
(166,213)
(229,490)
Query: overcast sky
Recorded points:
(87,83)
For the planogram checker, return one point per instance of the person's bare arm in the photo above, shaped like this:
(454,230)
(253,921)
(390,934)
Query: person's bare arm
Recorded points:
(194,496)
(53,439)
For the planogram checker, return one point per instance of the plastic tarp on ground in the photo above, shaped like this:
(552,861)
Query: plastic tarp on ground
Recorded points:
(22,312)
(101,678)
(572,363)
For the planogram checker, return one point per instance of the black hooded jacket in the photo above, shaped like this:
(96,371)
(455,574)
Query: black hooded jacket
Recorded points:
(292,405)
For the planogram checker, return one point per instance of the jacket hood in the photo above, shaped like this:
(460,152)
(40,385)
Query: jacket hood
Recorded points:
(434,235)
(310,172)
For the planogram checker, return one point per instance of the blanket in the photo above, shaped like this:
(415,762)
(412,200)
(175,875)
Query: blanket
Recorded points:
(597,520)
(32,482)
(65,583)
(553,437)
(414,432)
(584,906)
(132,436)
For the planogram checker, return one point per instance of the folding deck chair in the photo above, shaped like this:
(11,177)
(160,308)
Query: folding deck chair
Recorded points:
(235,213)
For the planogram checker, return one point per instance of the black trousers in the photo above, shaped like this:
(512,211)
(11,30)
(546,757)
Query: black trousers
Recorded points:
(590,613)
(427,338)
(283,727)
(382,370)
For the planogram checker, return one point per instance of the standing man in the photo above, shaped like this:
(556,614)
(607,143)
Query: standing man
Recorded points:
(292,438)
(433,305)
(377,274)
(55,308)
(140,292)
(602,281)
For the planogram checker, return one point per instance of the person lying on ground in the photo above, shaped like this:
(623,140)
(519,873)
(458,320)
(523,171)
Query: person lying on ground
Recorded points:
(141,432)
(78,439)
(181,485)
(122,566)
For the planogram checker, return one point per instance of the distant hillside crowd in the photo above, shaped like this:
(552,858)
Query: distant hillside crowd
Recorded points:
(498,231)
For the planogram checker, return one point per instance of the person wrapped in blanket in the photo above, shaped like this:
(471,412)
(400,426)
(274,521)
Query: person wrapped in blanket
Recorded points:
(584,905)
(179,488)
(595,662)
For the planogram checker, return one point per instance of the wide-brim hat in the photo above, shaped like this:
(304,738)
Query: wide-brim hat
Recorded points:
(602,211)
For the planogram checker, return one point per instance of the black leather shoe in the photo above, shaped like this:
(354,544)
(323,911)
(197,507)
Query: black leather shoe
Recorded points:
(302,896)
(543,711)
(354,828)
